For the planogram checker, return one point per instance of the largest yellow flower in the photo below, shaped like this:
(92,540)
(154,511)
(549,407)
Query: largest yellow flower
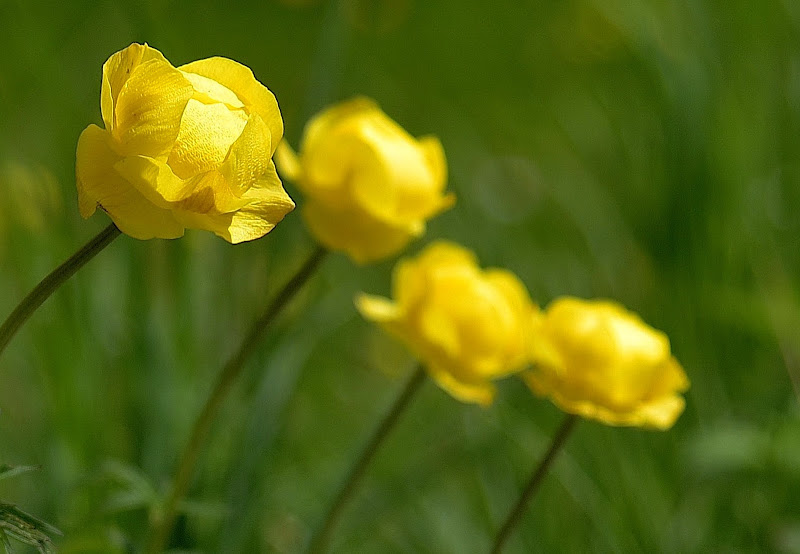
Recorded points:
(187,147)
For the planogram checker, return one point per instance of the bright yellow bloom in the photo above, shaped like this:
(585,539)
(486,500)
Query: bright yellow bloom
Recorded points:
(369,186)
(182,148)
(596,359)
(467,325)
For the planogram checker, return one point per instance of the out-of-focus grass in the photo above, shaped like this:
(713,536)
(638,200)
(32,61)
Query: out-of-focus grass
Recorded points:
(645,151)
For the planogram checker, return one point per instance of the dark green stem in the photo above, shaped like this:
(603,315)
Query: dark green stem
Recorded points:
(230,372)
(320,542)
(533,484)
(50,284)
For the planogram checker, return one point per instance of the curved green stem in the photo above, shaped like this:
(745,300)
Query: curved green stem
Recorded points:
(533,484)
(50,284)
(230,372)
(321,540)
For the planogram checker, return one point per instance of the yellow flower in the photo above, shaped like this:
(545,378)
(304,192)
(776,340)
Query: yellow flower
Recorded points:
(182,148)
(369,186)
(467,325)
(595,359)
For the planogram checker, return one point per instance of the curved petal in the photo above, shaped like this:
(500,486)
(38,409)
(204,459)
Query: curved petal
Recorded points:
(391,178)
(322,123)
(116,72)
(240,79)
(438,330)
(99,185)
(433,152)
(149,108)
(208,91)
(441,253)
(663,413)
(363,239)
(482,392)
(408,284)
(267,204)
(377,308)
(249,157)
(207,193)
(155,180)
(207,132)
(287,161)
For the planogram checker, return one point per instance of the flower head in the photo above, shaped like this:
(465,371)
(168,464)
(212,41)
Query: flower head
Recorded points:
(596,359)
(186,147)
(467,325)
(369,186)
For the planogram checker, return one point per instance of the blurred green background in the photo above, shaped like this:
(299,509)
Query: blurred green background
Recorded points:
(647,151)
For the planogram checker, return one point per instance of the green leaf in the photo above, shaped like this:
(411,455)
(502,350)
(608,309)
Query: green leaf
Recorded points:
(7,471)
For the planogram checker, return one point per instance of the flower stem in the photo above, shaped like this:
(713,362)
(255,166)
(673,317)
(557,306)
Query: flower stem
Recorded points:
(533,484)
(50,284)
(230,372)
(320,541)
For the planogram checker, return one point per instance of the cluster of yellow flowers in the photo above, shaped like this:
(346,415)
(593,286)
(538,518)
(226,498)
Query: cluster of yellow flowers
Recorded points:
(470,326)
(192,147)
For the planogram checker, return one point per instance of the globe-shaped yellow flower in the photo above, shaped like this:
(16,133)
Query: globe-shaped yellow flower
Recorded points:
(369,186)
(187,147)
(467,325)
(596,359)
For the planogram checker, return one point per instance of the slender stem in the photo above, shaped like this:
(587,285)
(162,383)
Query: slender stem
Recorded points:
(533,484)
(50,284)
(230,372)
(320,542)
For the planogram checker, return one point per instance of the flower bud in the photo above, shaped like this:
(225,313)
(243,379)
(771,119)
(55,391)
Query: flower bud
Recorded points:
(187,147)
(467,325)
(596,359)
(369,186)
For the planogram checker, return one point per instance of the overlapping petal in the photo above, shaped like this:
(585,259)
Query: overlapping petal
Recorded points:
(370,186)
(596,359)
(194,144)
(468,326)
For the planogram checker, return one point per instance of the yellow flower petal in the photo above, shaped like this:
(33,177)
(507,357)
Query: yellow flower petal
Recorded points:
(287,161)
(467,326)
(360,170)
(377,308)
(155,180)
(481,393)
(149,108)
(442,253)
(267,204)
(116,72)
(209,91)
(433,151)
(321,125)
(362,238)
(598,360)
(184,146)
(207,132)
(241,81)
(100,185)
(249,156)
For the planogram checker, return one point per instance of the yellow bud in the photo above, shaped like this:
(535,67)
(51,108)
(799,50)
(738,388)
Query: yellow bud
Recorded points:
(370,187)
(596,359)
(188,147)
(467,325)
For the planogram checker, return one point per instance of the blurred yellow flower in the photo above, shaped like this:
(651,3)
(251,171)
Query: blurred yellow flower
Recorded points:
(182,148)
(596,359)
(369,186)
(467,325)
